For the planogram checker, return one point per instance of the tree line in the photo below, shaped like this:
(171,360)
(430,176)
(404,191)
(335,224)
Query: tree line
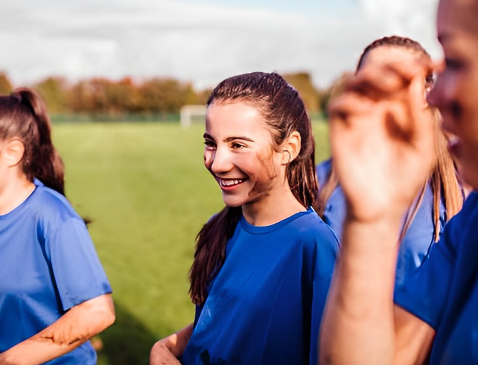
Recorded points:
(156,95)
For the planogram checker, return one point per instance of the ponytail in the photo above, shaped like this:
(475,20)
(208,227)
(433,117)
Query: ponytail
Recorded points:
(23,115)
(301,173)
(445,185)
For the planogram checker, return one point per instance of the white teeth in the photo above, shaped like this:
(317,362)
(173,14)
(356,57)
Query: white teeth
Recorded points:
(229,182)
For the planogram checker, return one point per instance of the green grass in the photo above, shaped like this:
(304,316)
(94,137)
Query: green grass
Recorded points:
(146,189)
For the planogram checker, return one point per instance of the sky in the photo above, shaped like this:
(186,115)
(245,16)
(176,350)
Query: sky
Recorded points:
(200,41)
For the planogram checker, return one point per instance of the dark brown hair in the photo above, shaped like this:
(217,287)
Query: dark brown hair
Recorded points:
(443,180)
(283,110)
(23,115)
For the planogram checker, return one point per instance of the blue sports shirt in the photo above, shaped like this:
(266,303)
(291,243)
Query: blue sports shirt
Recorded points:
(48,264)
(265,305)
(443,292)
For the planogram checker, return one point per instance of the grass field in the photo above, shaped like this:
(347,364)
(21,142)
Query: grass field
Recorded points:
(146,189)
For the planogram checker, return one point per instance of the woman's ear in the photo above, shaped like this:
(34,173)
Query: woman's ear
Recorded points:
(13,151)
(291,147)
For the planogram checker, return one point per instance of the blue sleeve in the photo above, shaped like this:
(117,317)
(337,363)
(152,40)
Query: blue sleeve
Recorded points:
(323,171)
(419,237)
(425,293)
(324,257)
(76,267)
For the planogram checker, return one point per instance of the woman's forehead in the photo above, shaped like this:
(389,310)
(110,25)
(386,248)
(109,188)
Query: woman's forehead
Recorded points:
(457,16)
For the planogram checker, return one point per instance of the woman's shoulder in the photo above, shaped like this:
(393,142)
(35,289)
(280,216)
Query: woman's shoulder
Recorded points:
(49,204)
(312,227)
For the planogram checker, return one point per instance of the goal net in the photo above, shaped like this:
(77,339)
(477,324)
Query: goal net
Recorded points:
(192,114)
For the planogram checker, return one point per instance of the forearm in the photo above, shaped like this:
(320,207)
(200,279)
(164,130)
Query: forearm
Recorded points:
(358,327)
(413,338)
(162,355)
(75,327)
(169,349)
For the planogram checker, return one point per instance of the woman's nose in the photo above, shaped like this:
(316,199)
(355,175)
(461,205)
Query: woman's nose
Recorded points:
(221,161)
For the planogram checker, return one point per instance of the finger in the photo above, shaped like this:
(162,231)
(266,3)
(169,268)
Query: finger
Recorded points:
(422,117)
(420,65)
(383,81)
(377,82)
(347,105)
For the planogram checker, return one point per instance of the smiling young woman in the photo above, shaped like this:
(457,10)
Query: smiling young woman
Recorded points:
(263,265)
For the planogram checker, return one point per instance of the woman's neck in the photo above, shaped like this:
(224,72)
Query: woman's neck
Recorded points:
(272,209)
(13,193)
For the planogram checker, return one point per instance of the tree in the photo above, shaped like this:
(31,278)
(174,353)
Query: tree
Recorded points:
(5,84)
(53,90)
(302,82)
(334,90)
(164,95)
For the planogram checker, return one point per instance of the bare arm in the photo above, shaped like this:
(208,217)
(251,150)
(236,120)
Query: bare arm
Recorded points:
(413,338)
(382,145)
(76,326)
(169,349)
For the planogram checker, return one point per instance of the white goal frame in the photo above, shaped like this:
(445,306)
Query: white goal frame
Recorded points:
(187,113)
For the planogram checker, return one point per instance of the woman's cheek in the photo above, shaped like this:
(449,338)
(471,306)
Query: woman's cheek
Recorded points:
(208,159)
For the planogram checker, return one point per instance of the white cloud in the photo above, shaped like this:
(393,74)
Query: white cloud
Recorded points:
(193,42)
(412,18)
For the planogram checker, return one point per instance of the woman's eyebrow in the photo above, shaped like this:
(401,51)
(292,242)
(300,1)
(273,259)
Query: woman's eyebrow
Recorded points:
(229,139)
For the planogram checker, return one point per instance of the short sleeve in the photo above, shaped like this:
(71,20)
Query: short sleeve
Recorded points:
(425,293)
(77,270)
(324,259)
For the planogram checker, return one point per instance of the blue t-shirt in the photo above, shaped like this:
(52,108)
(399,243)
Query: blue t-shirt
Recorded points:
(418,238)
(48,264)
(444,291)
(265,304)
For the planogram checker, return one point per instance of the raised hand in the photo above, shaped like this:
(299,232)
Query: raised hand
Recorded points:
(382,139)
(383,151)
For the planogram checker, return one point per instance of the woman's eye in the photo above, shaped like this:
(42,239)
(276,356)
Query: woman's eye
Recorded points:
(209,145)
(452,64)
(236,145)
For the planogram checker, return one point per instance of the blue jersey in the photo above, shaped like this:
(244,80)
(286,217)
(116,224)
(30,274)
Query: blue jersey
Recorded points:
(48,264)
(265,304)
(334,212)
(417,240)
(444,290)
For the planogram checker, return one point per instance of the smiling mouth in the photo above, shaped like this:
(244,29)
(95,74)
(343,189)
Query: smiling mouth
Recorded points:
(229,183)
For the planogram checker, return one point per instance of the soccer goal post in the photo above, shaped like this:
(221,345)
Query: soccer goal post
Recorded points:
(191,113)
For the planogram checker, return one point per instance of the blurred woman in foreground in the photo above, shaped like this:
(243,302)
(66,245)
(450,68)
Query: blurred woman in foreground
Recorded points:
(378,125)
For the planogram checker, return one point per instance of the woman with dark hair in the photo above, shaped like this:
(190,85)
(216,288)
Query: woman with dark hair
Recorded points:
(54,294)
(263,264)
(441,196)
